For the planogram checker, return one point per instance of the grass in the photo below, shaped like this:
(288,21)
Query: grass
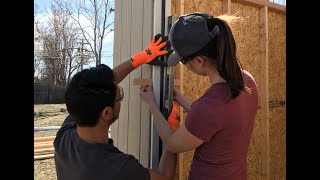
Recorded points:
(47,115)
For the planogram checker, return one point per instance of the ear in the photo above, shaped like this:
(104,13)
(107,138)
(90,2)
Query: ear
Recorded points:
(106,114)
(200,60)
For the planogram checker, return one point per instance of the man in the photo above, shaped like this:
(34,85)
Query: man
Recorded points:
(93,99)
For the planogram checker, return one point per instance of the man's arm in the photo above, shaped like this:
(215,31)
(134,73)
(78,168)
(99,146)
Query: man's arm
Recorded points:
(134,170)
(151,52)
(167,164)
(122,70)
(167,167)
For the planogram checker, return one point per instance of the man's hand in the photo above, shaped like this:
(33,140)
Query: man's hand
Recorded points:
(149,53)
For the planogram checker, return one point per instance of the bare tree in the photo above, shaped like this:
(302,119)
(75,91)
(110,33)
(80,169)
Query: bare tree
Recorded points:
(96,13)
(35,64)
(59,38)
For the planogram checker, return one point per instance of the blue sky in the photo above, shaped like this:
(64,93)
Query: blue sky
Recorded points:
(107,51)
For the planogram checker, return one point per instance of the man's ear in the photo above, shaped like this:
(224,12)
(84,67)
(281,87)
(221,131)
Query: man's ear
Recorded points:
(106,114)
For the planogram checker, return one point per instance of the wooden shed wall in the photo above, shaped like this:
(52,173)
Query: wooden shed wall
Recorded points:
(133,32)
(261,42)
(277,94)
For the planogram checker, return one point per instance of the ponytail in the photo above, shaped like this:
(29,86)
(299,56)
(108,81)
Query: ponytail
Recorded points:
(222,51)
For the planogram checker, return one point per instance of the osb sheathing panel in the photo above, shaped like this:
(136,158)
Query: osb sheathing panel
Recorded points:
(174,7)
(186,164)
(209,6)
(213,7)
(255,148)
(175,10)
(248,52)
(247,39)
(277,95)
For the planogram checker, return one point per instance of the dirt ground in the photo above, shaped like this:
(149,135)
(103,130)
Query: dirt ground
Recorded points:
(47,115)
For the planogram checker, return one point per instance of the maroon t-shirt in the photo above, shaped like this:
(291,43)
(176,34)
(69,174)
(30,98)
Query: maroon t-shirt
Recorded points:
(226,130)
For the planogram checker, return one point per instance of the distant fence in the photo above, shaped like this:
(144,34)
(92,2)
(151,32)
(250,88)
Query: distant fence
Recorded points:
(48,94)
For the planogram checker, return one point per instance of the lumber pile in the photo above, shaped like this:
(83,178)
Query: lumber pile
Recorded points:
(43,148)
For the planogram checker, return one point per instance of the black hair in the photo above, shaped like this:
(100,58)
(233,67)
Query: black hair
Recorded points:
(89,92)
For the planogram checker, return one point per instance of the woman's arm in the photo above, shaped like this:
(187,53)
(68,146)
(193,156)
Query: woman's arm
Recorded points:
(179,141)
(181,99)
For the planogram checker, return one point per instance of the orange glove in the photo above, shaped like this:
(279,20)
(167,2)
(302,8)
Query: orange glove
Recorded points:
(174,117)
(149,53)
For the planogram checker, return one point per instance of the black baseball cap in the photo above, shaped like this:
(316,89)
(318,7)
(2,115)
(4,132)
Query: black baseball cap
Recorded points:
(190,34)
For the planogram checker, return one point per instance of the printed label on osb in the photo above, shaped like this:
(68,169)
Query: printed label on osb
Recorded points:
(277,103)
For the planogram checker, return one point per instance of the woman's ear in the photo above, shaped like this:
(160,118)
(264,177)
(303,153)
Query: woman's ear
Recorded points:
(201,60)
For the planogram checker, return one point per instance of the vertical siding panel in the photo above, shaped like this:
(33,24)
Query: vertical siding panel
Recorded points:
(134,99)
(116,58)
(146,73)
(125,55)
(133,32)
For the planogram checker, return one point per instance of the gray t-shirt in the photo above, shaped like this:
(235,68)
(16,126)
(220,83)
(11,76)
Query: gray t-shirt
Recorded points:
(78,160)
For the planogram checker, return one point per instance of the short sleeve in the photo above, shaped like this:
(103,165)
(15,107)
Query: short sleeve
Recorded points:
(68,122)
(66,125)
(134,170)
(202,121)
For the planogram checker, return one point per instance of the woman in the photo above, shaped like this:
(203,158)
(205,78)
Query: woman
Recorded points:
(219,124)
